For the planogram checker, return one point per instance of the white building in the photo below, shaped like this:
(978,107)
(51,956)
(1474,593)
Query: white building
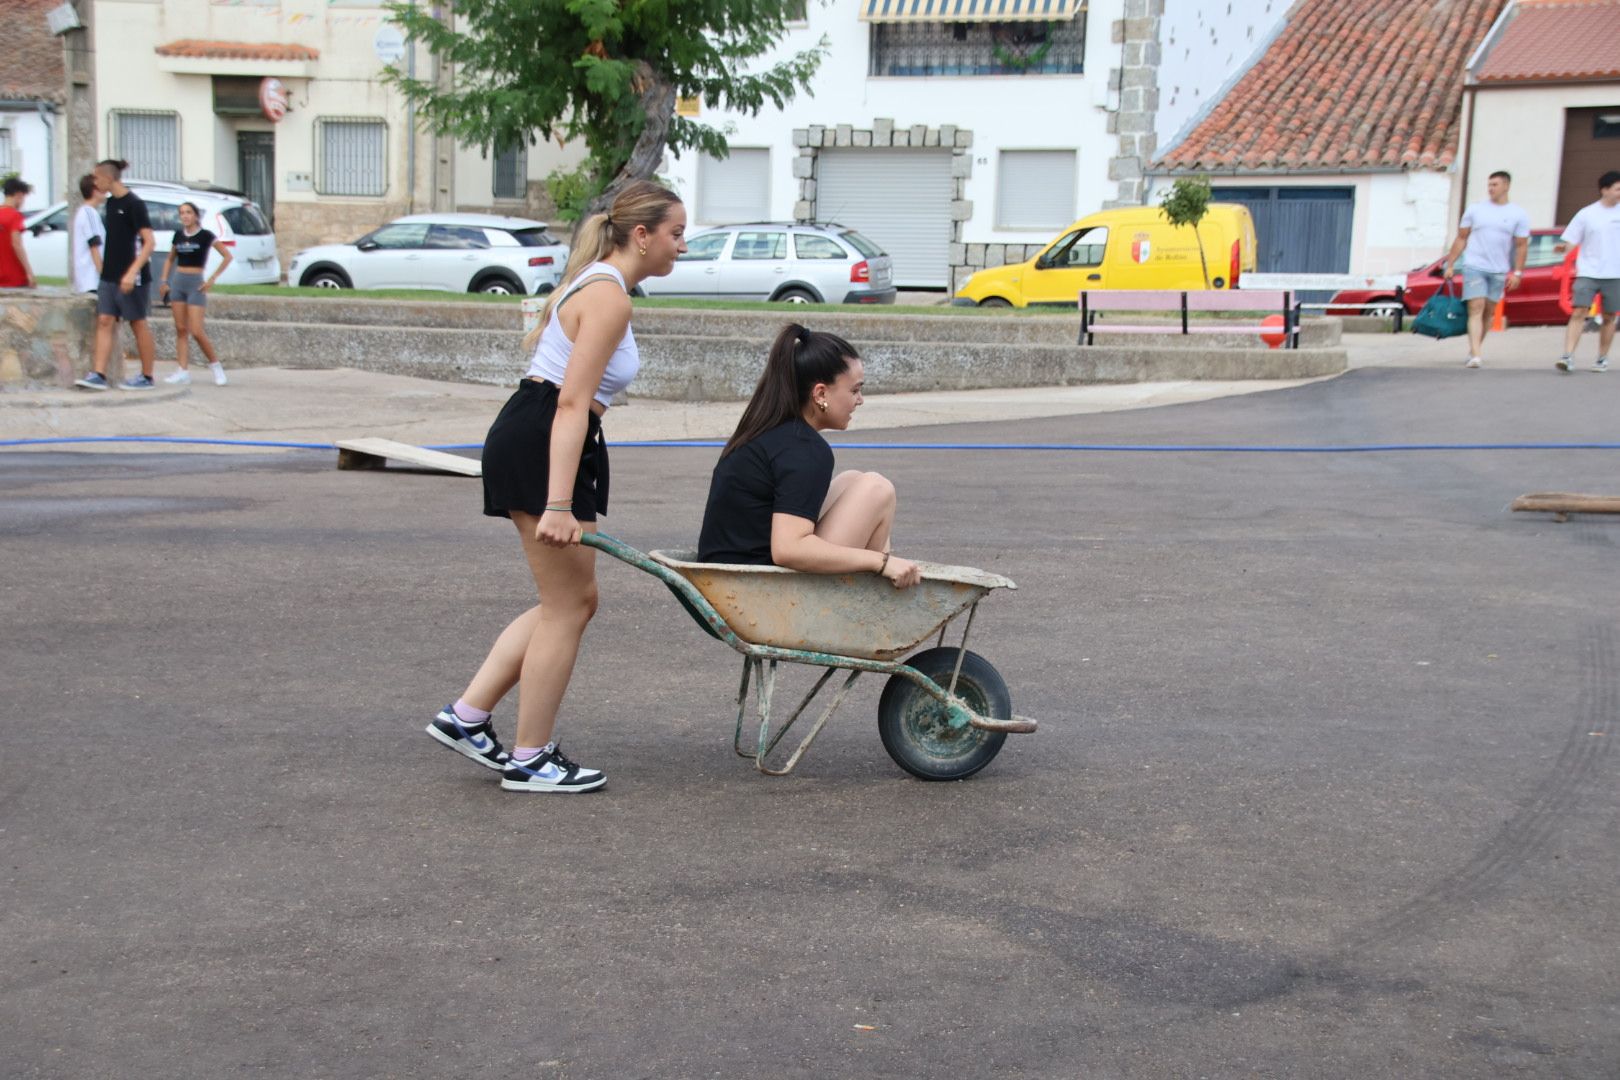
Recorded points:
(31,90)
(955,133)
(1544,104)
(283,99)
(1340,133)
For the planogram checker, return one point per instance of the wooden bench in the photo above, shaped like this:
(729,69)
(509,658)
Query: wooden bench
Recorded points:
(1184,304)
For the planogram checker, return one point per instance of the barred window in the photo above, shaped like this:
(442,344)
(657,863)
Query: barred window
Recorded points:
(351,156)
(980,48)
(512,173)
(5,151)
(149,141)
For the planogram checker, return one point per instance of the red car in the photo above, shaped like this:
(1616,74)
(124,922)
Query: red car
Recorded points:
(1533,303)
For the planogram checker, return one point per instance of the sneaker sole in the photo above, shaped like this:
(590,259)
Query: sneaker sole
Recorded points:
(463,749)
(90,386)
(1565,368)
(558,789)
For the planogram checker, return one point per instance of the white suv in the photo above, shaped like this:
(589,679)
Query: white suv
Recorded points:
(239,225)
(481,253)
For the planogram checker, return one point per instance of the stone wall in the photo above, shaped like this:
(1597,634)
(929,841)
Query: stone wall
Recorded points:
(1136,82)
(46,337)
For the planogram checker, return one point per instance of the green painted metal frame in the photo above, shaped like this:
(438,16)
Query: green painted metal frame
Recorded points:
(755,658)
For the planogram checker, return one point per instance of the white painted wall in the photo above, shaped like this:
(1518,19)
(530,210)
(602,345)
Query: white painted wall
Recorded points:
(1521,129)
(1004,112)
(31,149)
(1204,48)
(1401,220)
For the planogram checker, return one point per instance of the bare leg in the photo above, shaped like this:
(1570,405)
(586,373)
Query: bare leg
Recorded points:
(1478,325)
(181,351)
(106,331)
(1606,333)
(859,511)
(1572,332)
(195,316)
(501,667)
(566,579)
(146,346)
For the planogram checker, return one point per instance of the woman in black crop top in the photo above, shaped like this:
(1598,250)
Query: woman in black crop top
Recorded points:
(774,498)
(187,290)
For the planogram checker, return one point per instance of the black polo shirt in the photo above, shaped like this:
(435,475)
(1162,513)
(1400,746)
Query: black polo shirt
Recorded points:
(787,470)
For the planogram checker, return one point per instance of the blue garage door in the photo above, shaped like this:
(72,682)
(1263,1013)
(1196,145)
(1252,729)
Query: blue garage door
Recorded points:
(1299,230)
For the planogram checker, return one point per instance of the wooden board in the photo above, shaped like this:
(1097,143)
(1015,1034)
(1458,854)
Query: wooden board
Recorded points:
(375,453)
(1562,504)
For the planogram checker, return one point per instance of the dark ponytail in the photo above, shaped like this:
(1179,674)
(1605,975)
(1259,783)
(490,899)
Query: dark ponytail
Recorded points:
(799,359)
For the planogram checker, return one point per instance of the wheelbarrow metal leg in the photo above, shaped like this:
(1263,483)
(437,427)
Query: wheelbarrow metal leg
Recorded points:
(956,672)
(821,722)
(749,664)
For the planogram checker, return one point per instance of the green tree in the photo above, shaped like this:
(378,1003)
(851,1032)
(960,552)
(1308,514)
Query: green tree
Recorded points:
(605,71)
(1185,204)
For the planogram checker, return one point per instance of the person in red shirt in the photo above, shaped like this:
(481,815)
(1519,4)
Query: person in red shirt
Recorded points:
(15,273)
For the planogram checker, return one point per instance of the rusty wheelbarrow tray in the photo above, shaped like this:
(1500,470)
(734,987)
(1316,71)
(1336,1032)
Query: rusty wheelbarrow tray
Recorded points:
(944,712)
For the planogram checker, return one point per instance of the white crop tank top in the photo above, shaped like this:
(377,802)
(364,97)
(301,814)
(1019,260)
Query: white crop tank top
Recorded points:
(550,360)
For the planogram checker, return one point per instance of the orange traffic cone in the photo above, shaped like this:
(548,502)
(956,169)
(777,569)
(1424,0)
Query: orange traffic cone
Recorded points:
(1499,320)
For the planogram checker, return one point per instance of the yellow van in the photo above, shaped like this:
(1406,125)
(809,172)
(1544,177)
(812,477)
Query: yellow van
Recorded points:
(1132,247)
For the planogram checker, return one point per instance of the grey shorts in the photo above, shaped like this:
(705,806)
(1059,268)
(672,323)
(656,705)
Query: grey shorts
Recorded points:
(1482,284)
(129,306)
(187,289)
(1588,289)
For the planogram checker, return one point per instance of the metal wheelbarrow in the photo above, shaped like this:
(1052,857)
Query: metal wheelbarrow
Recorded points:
(944,712)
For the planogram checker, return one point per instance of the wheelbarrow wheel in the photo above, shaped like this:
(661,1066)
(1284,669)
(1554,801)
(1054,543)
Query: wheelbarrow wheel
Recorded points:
(916,731)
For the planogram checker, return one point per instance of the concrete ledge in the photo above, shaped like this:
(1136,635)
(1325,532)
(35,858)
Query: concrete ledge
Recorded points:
(690,368)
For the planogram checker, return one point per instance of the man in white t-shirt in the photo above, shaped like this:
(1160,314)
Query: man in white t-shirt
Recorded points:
(1493,240)
(1596,228)
(88,236)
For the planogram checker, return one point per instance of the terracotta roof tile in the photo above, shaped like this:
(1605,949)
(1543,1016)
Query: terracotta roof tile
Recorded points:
(236,50)
(31,60)
(1375,84)
(1556,42)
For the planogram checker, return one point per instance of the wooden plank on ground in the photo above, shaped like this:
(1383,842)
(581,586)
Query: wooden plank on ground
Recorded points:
(374,453)
(1563,503)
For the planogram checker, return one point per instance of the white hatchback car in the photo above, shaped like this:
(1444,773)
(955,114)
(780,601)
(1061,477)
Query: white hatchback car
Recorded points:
(480,253)
(239,225)
(780,261)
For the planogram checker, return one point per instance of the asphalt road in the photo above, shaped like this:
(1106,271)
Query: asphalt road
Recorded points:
(1325,786)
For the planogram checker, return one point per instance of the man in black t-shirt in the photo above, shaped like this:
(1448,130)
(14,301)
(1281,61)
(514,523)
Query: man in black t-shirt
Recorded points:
(125,277)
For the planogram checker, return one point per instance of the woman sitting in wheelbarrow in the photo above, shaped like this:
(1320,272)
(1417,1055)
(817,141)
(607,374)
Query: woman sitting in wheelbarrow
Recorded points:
(774,499)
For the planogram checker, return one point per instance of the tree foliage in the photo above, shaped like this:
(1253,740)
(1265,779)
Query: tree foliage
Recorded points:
(604,71)
(1185,204)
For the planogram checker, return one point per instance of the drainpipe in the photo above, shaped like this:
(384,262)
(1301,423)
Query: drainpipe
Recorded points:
(410,125)
(50,147)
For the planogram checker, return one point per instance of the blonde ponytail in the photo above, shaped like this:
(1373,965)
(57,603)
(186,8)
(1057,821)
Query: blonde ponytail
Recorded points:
(641,203)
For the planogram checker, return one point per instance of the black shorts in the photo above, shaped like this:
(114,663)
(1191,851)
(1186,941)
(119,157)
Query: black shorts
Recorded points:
(517,457)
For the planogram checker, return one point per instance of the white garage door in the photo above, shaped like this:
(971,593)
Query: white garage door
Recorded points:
(900,198)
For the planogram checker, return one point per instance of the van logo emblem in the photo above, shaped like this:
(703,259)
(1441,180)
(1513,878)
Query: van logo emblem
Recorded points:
(1141,247)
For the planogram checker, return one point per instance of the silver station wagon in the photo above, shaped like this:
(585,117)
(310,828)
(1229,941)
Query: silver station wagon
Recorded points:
(793,264)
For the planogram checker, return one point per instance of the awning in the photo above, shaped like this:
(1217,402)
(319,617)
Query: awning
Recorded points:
(892,11)
(194,57)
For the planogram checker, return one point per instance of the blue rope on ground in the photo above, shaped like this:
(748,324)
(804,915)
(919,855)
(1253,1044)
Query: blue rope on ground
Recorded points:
(1145,448)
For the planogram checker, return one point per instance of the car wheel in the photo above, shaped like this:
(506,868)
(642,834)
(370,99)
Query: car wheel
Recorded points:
(1385,307)
(498,286)
(326,279)
(795,296)
(995,301)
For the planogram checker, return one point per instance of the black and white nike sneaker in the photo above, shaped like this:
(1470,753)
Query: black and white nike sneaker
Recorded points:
(477,741)
(550,771)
